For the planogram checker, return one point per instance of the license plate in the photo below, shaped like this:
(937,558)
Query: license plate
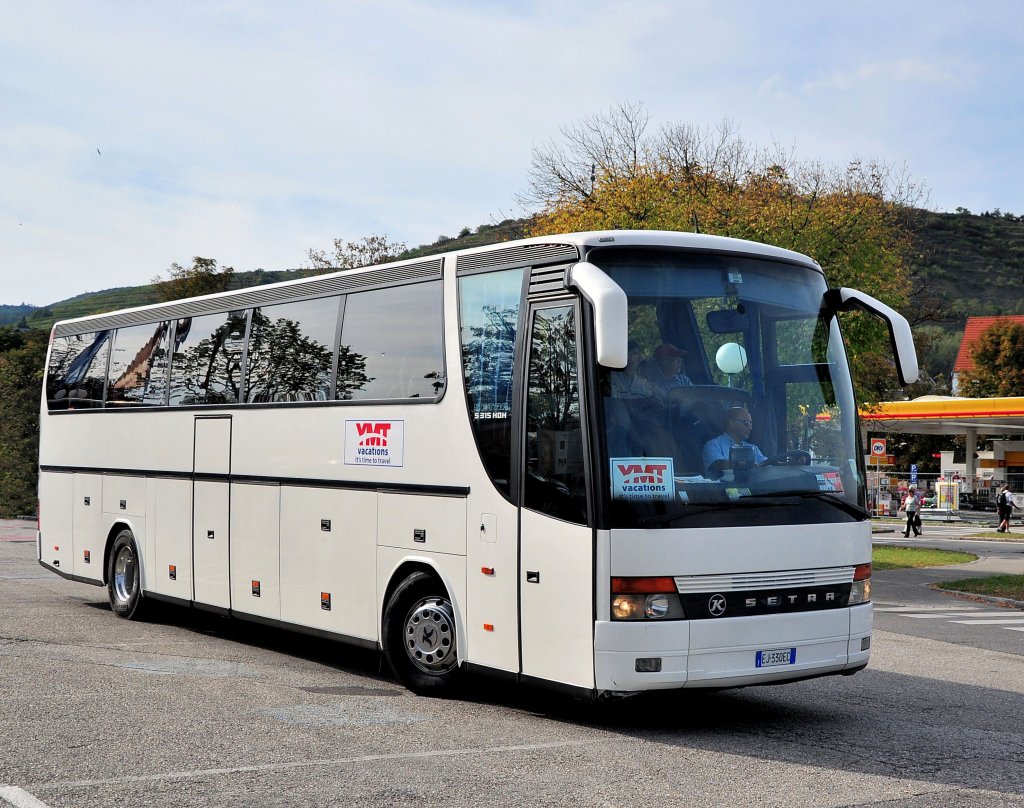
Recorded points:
(775,656)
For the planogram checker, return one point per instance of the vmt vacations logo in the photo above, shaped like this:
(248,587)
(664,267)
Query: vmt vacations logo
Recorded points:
(373,434)
(642,478)
(636,474)
(374,443)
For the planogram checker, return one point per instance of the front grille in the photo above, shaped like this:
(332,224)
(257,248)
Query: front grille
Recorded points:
(747,581)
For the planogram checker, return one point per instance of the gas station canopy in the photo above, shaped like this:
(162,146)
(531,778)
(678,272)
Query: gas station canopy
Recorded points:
(946,415)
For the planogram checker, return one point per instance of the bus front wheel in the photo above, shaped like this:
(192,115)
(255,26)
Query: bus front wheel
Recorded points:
(123,579)
(419,635)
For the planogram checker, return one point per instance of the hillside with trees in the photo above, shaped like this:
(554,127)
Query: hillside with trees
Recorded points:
(862,222)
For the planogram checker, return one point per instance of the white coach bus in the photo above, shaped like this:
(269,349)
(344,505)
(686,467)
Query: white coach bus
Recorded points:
(607,462)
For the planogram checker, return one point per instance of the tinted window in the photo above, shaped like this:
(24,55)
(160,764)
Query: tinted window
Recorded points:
(207,363)
(77,371)
(391,345)
(555,482)
(138,366)
(291,351)
(489,314)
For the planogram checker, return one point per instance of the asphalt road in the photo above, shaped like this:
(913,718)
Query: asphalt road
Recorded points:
(192,710)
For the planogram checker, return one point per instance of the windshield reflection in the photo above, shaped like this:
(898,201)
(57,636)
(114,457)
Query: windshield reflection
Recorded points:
(736,396)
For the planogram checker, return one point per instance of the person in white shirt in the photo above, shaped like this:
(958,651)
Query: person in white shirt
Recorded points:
(1005,506)
(912,506)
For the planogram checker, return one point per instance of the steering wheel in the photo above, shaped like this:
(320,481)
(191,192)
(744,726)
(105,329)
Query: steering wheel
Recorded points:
(797,457)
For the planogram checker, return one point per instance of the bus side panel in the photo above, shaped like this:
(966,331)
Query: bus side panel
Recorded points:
(90,541)
(171,531)
(210,523)
(328,560)
(422,524)
(56,495)
(256,550)
(492,604)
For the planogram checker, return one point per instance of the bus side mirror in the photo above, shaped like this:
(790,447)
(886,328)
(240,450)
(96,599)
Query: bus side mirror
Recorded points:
(902,340)
(610,312)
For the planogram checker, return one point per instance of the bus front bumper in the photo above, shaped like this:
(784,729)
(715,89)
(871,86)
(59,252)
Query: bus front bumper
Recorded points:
(635,656)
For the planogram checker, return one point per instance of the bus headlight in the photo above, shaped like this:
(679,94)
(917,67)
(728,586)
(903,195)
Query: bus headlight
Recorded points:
(860,590)
(645,599)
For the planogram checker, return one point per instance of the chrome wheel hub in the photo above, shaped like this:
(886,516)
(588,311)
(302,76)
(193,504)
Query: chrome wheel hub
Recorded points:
(430,636)
(124,574)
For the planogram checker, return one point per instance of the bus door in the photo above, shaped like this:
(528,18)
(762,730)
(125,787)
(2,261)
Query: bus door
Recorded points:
(556,546)
(211,492)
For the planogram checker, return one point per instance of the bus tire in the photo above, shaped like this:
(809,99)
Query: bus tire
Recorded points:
(419,636)
(123,580)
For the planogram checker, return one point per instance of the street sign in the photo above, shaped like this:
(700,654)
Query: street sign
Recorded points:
(878,447)
(913,472)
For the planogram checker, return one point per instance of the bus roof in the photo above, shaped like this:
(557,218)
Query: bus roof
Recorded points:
(425,268)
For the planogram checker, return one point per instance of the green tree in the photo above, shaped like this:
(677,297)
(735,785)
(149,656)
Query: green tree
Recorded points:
(369,250)
(610,172)
(998,358)
(204,277)
(22,356)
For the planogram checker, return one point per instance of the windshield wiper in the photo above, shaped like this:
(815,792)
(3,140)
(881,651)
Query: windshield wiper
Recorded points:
(769,499)
(821,496)
(701,507)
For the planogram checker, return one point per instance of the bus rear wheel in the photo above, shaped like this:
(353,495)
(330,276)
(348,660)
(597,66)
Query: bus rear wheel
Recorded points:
(123,580)
(419,636)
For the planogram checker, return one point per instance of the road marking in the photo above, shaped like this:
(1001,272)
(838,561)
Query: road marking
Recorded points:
(964,616)
(925,608)
(299,764)
(971,615)
(20,798)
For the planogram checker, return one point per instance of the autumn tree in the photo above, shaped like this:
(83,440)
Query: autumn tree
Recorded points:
(998,358)
(611,171)
(204,277)
(369,250)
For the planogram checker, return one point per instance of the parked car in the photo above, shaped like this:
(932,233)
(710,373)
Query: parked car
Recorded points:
(972,502)
(930,500)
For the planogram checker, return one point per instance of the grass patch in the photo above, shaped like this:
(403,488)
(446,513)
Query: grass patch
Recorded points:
(903,558)
(996,586)
(994,535)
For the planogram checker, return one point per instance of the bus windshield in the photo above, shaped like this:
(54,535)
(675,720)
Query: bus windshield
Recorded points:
(736,405)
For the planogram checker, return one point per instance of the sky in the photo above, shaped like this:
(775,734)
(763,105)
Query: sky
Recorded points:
(134,135)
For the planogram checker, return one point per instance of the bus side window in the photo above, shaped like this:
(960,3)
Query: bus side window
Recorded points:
(206,367)
(77,371)
(138,366)
(489,316)
(391,344)
(291,348)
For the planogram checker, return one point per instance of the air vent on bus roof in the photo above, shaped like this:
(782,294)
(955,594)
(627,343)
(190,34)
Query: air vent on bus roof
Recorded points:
(547,280)
(323,286)
(521,256)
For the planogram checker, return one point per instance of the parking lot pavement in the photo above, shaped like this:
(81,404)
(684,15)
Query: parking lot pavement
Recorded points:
(17,530)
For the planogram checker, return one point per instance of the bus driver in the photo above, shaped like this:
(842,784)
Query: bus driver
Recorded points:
(737,429)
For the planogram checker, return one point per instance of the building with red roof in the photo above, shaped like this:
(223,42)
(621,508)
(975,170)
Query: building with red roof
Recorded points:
(976,326)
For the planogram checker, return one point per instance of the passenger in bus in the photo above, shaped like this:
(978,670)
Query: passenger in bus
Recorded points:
(738,424)
(667,372)
(628,383)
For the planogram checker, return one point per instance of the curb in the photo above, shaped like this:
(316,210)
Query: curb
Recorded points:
(1017,604)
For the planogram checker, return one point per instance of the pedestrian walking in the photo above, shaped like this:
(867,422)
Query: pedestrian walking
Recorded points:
(1005,506)
(912,507)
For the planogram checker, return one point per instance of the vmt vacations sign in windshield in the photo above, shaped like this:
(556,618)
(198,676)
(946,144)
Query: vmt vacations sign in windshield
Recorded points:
(374,443)
(642,478)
